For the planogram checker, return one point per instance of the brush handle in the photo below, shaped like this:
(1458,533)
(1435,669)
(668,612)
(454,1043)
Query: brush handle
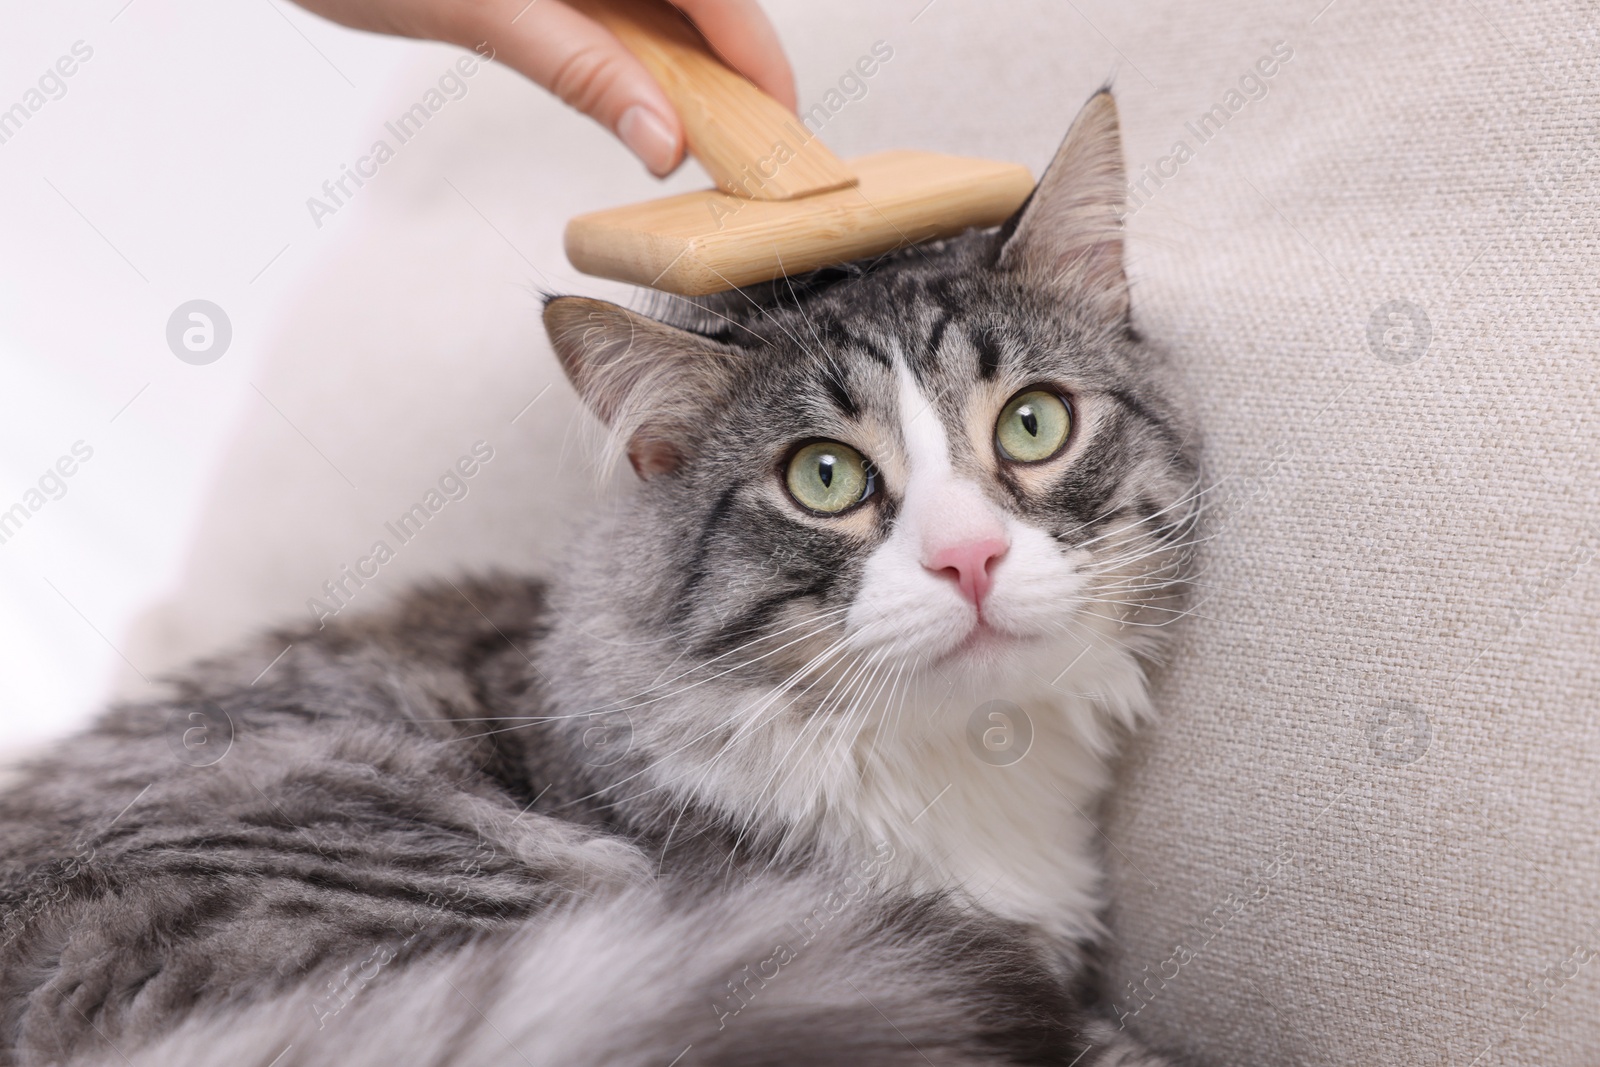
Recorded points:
(750,144)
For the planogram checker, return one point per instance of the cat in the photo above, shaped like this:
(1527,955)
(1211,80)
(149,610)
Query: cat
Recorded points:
(790,763)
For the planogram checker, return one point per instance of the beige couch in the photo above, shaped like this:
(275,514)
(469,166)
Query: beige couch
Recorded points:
(1368,828)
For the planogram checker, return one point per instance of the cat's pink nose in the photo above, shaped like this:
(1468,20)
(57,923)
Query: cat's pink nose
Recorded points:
(968,565)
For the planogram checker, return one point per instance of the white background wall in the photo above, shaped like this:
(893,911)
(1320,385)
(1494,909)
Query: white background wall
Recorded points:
(176,166)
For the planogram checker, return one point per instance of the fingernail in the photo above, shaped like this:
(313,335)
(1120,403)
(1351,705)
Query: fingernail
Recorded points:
(648,138)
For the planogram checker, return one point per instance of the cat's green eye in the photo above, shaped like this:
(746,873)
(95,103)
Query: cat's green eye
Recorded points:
(1033,426)
(828,477)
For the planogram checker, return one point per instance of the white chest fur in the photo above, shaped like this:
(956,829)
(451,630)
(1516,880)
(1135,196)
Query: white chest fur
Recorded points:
(1012,836)
(993,797)
(1006,823)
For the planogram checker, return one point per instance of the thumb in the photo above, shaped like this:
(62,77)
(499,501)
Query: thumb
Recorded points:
(581,62)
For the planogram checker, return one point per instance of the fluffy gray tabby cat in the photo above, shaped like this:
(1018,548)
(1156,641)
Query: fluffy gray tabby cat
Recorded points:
(789,766)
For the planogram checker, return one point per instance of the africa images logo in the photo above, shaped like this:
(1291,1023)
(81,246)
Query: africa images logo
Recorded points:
(199,332)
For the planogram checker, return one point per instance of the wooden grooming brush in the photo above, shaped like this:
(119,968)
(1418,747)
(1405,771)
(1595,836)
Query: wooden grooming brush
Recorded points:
(784,204)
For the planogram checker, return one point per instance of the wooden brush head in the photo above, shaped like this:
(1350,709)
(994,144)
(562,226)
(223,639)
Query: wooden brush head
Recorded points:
(710,241)
(784,203)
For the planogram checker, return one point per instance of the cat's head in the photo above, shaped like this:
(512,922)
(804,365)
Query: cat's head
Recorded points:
(959,461)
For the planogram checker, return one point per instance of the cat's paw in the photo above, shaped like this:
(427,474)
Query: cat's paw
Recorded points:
(1111,1047)
(579,859)
(613,863)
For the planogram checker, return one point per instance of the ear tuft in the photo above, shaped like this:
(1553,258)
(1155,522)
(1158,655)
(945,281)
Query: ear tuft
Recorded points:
(1069,233)
(651,383)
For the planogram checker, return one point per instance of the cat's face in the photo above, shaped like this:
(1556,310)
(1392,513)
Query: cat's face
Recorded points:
(959,463)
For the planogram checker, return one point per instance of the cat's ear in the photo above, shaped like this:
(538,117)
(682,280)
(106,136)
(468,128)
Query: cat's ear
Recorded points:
(1068,235)
(649,382)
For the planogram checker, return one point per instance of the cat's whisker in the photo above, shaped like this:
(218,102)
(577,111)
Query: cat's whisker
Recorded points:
(1175,532)
(730,320)
(1133,553)
(1114,553)
(1188,496)
(819,719)
(805,316)
(621,706)
(1175,613)
(1093,640)
(814,729)
(753,714)
(769,698)
(638,701)
(888,723)
(822,717)
(868,699)
(1189,536)
(830,613)
(1154,591)
(892,728)
(700,737)
(774,320)
(702,664)
(858,714)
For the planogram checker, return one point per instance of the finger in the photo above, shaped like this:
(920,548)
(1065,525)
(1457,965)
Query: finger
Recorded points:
(422,19)
(581,62)
(741,34)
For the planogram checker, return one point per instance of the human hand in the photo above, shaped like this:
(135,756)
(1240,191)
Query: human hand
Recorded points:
(580,61)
